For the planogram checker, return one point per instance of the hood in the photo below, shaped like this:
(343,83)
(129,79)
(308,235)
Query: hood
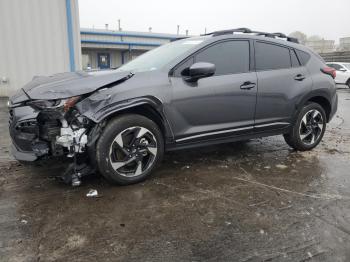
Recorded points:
(66,85)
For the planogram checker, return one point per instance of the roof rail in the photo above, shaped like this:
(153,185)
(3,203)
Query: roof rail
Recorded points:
(178,38)
(248,31)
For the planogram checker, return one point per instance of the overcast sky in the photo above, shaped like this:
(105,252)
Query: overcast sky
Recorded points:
(329,19)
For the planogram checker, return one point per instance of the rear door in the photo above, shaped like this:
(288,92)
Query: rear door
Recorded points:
(281,81)
(219,105)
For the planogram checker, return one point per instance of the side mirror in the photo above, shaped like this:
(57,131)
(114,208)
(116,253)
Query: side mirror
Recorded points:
(199,70)
(342,69)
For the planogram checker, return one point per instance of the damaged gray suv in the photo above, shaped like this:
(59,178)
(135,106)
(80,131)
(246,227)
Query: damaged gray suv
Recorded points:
(221,87)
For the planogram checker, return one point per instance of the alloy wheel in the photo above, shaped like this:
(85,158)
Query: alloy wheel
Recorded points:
(133,151)
(311,126)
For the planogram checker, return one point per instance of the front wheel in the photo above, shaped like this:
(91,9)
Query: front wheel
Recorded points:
(129,149)
(308,129)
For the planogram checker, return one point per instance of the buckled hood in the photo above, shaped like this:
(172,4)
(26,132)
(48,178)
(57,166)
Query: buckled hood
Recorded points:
(66,85)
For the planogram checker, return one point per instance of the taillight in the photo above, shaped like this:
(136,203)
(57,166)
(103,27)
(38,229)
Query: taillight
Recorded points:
(329,71)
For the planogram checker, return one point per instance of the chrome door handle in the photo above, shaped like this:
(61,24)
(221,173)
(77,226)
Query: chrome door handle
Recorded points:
(247,85)
(299,77)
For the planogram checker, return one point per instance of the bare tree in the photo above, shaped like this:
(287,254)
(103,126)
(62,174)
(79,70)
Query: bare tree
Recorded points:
(300,36)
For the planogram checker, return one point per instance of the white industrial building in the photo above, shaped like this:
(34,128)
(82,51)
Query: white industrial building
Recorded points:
(38,37)
(322,45)
(103,49)
(43,37)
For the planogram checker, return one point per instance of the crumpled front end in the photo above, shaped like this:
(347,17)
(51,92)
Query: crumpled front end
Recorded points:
(39,132)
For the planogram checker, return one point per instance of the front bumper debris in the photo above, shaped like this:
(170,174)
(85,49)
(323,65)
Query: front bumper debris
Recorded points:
(38,134)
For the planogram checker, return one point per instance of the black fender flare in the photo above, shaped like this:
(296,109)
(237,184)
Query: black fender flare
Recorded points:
(309,96)
(99,114)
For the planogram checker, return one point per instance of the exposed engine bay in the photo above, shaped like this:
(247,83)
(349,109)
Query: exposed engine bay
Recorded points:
(54,130)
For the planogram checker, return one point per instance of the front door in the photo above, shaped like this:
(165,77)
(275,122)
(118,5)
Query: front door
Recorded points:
(216,106)
(103,60)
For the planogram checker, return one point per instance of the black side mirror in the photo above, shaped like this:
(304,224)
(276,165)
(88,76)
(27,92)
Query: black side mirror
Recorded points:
(199,70)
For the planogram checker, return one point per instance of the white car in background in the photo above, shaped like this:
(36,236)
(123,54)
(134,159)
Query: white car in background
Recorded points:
(343,72)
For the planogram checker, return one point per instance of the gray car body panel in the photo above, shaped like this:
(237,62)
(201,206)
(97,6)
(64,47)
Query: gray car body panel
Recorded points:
(68,84)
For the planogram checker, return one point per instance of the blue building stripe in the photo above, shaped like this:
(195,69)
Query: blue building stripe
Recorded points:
(70,35)
(128,35)
(118,43)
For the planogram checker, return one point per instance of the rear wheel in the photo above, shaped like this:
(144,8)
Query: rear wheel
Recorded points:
(129,149)
(308,129)
(348,83)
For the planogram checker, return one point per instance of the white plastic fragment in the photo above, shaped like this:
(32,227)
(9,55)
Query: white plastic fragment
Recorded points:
(23,221)
(92,193)
(280,166)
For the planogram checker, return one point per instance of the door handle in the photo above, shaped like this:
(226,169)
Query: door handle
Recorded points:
(299,77)
(247,85)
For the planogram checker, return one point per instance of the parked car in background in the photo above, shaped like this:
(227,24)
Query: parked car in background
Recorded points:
(221,87)
(343,72)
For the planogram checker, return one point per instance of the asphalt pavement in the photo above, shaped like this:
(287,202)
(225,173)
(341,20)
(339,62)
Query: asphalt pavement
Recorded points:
(249,201)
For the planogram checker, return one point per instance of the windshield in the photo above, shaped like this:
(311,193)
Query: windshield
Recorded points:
(159,57)
(347,65)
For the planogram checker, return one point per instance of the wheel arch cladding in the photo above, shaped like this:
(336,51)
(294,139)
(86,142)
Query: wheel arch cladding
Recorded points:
(322,98)
(322,101)
(147,111)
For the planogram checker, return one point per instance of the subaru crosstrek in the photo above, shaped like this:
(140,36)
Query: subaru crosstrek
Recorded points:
(221,87)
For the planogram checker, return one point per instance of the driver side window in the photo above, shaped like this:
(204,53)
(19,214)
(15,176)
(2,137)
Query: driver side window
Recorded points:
(229,57)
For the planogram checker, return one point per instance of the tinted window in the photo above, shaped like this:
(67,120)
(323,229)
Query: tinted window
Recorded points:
(295,61)
(336,66)
(270,56)
(229,57)
(303,57)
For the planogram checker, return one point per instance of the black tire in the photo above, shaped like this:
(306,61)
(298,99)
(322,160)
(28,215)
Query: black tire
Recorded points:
(348,83)
(117,127)
(294,138)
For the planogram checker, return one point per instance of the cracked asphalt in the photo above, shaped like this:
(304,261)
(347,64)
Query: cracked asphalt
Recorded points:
(250,201)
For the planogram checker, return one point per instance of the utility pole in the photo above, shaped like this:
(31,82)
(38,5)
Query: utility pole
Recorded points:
(186,32)
(178,29)
(119,28)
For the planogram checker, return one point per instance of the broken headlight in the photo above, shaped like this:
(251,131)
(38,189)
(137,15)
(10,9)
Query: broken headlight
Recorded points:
(66,104)
(42,104)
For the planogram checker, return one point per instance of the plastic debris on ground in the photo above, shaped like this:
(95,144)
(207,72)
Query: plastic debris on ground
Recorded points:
(92,193)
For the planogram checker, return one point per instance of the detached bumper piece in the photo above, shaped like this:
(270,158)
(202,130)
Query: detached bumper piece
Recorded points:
(24,131)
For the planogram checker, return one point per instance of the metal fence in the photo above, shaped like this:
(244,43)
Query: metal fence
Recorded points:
(336,56)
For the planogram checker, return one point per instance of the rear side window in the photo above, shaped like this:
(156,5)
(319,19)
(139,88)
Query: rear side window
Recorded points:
(294,58)
(303,57)
(336,66)
(269,57)
(229,57)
